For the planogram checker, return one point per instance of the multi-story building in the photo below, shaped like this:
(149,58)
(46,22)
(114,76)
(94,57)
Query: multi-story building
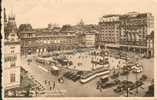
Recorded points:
(86,40)
(86,34)
(150,44)
(129,32)
(14,74)
(134,29)
(46,41)
(109,31)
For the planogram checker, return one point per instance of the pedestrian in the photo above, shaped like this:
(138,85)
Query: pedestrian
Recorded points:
(98,84)
(62,80)
(59,80)
(36,93)
(45,82)
(50,88)
(49,82)
(54,84)
(100,89)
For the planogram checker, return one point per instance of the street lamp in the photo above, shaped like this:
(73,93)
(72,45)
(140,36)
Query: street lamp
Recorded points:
(127,76)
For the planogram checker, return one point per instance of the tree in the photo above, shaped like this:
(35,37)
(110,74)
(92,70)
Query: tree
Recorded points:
(25,27)
(66,28)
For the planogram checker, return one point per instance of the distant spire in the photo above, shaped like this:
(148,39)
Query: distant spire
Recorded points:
(11,15)
(5,20)
(11,24)
(81,22)
(5,16)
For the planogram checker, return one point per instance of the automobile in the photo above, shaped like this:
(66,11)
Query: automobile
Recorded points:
(126,84)
(117,81)
(124,72)
(118,89)
(115,75)
(80,73)
(72,76)
(68,74)
(77,77)
(103,80)
(136,85)
(150,91)
(107,85)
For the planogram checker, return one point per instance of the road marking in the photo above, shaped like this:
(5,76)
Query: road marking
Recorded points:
(43,68)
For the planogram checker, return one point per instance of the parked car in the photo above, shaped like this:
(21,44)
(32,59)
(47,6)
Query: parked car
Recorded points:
(107,85)
(125,85)
(115,75)
(124,72)
(76,78)
(118,89)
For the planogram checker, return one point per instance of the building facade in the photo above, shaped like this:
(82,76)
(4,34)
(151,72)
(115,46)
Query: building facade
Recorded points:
(109,31)
(13,71)
(47,41)
(134,30)
(89,39)
(127,32)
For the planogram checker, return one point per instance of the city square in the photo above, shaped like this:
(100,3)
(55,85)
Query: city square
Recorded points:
(67,88)
(112,57)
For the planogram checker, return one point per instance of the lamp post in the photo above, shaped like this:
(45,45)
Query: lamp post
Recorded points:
(136,76)
(127,76)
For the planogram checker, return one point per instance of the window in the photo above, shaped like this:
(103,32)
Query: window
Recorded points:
(12,51)
(12,78)
(10,58)
(12,65)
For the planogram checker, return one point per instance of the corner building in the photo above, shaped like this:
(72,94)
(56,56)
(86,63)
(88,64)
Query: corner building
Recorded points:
(135,28)
(15,75)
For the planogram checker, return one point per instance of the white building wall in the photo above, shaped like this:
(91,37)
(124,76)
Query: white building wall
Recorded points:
(12,61)
(90,40)
(7,79)
(12,50)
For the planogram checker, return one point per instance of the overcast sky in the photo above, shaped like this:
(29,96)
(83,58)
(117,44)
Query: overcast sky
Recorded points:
(41,12)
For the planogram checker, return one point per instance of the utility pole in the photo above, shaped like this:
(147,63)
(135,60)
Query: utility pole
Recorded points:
(137,87)
(127,77)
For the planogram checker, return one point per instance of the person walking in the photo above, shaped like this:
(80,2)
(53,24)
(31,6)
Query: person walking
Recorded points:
(45,82)
(50,88)
(97,84)
(54,84)
(49,82)
(100,89)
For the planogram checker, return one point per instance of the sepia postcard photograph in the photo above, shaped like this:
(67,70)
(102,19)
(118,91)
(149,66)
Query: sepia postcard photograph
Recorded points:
(78,48)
